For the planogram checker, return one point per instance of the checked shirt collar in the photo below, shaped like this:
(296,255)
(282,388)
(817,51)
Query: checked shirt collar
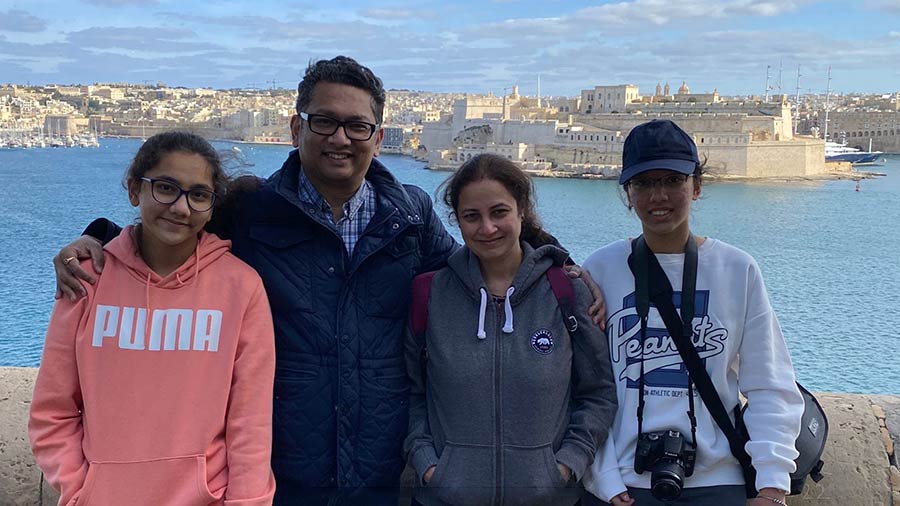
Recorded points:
(358,211)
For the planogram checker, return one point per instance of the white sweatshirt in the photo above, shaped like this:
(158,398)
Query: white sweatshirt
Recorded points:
(738,336)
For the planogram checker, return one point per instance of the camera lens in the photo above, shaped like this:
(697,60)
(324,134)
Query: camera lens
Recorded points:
(666,491)
(667,481)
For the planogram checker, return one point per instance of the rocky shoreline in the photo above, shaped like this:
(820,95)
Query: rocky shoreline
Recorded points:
(837,171)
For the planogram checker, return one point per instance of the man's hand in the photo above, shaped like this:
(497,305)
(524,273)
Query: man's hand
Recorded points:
(597,310)
(428,473)
(565,472)
(622,499)
(68,268)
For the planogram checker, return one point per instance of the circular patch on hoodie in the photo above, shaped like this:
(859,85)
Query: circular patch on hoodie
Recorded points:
(542,341)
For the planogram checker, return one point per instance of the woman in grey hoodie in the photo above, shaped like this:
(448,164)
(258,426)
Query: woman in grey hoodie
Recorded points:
(507,408)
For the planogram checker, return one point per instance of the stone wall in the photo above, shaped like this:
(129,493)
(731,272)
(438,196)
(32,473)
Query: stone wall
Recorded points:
(860,463)
(765,159)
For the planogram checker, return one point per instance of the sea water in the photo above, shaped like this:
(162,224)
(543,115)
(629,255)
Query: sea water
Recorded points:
(828,253)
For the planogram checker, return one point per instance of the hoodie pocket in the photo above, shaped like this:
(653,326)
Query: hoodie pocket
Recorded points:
(464,476)
(177,481)
(531,476)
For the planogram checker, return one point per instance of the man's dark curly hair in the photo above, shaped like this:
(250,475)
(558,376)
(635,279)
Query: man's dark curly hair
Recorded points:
(341,70)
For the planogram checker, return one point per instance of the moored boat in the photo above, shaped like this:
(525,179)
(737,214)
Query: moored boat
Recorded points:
(837,152)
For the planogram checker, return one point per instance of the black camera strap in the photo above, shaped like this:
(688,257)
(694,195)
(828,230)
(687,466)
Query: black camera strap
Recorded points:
(648,288)
(651,284)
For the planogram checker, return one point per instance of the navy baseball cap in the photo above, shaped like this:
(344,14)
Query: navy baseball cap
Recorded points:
(658,144)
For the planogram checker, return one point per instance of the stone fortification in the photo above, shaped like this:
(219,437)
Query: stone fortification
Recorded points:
(860,460)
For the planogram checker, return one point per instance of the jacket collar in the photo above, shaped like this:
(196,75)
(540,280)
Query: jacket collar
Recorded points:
(388,190)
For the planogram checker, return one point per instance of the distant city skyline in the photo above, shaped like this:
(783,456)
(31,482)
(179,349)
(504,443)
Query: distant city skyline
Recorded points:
(475,46)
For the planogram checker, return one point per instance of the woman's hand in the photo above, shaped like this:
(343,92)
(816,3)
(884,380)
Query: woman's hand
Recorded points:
(428,473)
(597,310)
(69,271)
(622,499)
(769,497)
(565,472)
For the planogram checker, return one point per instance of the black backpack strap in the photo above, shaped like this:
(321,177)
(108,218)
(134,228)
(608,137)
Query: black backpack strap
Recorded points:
(660,293)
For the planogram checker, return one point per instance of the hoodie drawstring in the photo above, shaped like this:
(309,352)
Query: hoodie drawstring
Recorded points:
(507,308)
(148,315)
(481,334)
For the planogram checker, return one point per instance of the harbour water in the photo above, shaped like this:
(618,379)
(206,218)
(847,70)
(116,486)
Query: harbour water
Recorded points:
(828,253)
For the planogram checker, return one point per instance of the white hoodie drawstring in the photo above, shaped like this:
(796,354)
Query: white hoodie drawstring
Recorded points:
(481,334)
(507,307)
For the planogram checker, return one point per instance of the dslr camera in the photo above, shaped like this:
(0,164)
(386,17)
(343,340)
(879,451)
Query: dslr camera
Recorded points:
(669,458)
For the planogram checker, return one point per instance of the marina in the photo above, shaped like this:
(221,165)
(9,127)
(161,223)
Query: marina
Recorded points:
(21,139)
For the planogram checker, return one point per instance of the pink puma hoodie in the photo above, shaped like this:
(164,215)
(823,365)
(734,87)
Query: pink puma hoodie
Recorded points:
(174,410)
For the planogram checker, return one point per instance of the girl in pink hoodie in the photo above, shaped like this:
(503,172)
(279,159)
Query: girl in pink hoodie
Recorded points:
(156,388)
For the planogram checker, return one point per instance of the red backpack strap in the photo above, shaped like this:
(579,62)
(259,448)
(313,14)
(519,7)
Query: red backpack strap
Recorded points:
(418,315)
(418,307)
(565,296)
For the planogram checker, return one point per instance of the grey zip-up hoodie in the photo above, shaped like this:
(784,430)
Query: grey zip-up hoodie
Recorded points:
(506,396)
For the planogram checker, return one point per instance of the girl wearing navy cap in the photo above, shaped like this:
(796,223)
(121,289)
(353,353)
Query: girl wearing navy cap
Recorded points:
(733,329)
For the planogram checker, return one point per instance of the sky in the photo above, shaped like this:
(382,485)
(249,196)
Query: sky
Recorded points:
(476,46)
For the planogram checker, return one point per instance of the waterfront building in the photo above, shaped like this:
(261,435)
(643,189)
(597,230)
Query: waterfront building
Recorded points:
(61,126)
(860,127)
(109,92)
(607,99)
(393,138)
(8,91)
(475,107)
(744,139)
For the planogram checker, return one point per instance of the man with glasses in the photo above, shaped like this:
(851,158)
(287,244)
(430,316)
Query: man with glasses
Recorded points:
(337,241)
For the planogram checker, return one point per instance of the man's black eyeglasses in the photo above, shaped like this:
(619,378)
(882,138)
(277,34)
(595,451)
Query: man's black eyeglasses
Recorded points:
(166,192)
(326,125)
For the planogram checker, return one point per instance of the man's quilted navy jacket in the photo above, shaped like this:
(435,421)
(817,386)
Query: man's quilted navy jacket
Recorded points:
(341,394)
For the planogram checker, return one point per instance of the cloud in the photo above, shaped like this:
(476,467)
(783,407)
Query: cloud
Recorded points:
(135,38)
(710,44)
(120,3)
(765,9)
(20,21)
(888,6)
(396,14)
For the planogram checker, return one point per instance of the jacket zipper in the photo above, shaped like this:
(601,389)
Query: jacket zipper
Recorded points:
(498,492)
